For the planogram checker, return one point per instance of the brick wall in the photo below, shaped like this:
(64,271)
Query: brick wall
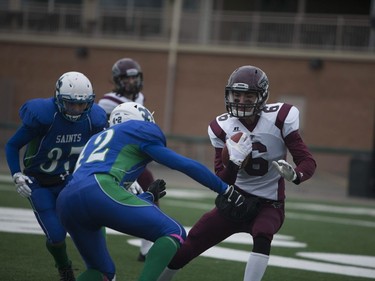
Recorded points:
(336,102)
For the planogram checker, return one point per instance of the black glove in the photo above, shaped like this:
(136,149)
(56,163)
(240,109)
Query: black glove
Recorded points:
(245,209)
(157,189)
(233,196)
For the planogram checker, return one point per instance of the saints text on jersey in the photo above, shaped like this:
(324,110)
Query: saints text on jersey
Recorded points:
(68,138)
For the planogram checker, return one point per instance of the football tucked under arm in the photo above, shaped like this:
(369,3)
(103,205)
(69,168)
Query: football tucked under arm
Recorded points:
(237,149)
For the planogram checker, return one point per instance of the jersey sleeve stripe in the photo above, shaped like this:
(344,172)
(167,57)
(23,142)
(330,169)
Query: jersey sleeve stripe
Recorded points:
(114,99)
(281,115)
(217,130)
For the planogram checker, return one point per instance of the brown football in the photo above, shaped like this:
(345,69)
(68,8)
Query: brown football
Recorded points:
(224,153)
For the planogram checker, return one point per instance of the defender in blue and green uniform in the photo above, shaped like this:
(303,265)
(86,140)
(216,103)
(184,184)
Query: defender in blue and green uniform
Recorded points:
(96,197)
(54,131)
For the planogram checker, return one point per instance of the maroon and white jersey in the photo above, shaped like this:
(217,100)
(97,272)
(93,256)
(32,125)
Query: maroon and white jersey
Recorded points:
(110,100)
(274,132)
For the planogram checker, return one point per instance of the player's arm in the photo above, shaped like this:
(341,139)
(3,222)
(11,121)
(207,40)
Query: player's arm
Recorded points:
(305,163)
(155,147)
(12,149)
(191,168)
(227,173)
(196,171)
(23,136)
(36,116)
(99,118)
(302,158)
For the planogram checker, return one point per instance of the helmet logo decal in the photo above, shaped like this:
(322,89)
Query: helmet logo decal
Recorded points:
(147,116)
(132,72)
(263,83)
(240,86)
(59,84)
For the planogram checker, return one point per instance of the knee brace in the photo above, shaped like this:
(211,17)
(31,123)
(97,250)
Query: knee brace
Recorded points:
(262,245)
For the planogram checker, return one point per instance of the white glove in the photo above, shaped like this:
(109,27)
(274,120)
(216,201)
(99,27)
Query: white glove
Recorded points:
(135,188)
(285,170)
(238,151)
(21,182)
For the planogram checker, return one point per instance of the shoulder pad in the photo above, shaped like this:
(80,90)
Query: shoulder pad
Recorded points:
(38,111)
(287,119)
(98,116)
(215,127)
(148,131)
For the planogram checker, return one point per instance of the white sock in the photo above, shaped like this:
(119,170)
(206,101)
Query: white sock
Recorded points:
(167,274)
(145,246)
(255,267)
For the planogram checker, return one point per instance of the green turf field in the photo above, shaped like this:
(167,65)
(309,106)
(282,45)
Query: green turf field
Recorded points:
(319,241)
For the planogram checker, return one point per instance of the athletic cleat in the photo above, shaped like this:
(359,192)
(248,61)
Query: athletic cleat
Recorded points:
(66,274)
(141,257)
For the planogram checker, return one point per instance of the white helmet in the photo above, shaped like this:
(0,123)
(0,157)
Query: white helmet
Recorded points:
(74,88)
(130,111)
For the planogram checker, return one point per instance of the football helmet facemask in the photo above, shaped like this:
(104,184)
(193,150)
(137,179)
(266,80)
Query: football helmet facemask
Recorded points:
(130,111)
(246,79)
(128,78)
(74,96)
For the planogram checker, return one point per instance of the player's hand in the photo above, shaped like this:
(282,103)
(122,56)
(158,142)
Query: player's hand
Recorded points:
(233,196)
(238,151)
(157,189)
(21,181)
(135,188)
(285,170)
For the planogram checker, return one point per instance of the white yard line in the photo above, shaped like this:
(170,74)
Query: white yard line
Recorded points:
(23,221)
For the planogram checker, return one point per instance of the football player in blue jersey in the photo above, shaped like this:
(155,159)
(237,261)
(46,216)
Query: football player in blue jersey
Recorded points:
(54,131)
(95,196)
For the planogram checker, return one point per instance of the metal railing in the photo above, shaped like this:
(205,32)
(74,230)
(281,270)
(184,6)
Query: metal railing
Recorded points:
(294,31)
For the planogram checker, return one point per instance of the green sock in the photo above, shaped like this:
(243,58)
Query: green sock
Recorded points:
(158,258)
(58,251)
(90,275)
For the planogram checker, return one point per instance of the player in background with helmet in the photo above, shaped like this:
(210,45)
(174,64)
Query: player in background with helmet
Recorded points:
(128,80)
(54,131)
(273,129)
(97,197)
